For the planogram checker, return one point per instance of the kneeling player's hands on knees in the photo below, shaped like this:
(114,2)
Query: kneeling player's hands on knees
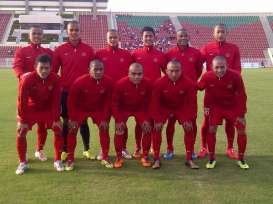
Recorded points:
(72,124)
(158,127)
(104,126)
(120,128)
(206,111)
(146,127)
(187,125)
(241,120)
(21,126)
(57,124)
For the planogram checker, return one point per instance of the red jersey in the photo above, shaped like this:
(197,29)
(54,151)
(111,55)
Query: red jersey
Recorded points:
(190,59)
(128,97)
(25,58)
(152,60)
(89,95)
(73,62)
(175,97)
(116,62)
(228,50)
(226,93)
(39,95)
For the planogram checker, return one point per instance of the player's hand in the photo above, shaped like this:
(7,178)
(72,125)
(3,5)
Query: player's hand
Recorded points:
(21,126)
(72,124)
(120,128)
(241,120)
(57,124)
(158,127)
(206,111)
(188,126)
(104,126)
(146,127)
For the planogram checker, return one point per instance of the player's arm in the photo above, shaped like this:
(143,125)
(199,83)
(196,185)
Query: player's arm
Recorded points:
(201,85)
(56,61)
(240,96)
(23,100)
(199,65)
(117,112)
(237,60)
(18,63)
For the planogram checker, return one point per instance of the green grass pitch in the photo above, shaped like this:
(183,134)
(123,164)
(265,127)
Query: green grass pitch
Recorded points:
(173,183)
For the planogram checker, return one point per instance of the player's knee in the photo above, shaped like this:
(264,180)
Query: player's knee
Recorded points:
(57,131)
(241,131)
(73,131)
(21,133)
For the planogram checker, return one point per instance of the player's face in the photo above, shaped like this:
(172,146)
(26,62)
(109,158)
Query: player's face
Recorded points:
(174,72)
(136,75)
(148,38)
(182,38)
(97,71)
(43,69)
(36,35)
(220,33)
(112,39)
(219,67)
(73,32)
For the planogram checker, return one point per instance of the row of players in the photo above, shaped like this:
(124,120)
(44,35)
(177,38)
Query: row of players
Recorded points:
(71,60)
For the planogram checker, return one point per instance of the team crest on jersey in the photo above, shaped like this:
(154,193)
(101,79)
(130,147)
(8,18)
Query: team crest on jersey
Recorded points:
(190,59)
(229,86)
(155,60)
(211,54)
(102,91)
(139,58)
(66,54)
(165,91)
(50,87)
(84,54)
(104,58)
(227,55)
(142,93)
(181,92)
(211,85)
(121,60)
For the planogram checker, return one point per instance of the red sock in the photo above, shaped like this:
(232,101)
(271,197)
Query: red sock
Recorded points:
(104,142)
(41,136)
(21,145)
(146,145)
(125,138)
(188,141)
(230,132)
(58,146)
(138,136)
(71,146)
(118,140)
(241,141)
(170,133)
(194,133)
(204,132)
(211,139)
(157,139)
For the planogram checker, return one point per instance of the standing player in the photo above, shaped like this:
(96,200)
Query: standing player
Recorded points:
(116,64)
(24,62)
(95,92)
(153,62)
(72,59)
(227,99)
(190,59)
(173,95)
(232,55)
(39,102)
(131,97)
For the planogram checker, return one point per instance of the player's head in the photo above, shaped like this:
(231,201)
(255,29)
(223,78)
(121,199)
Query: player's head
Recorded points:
(135,73)
(148,36)
(174,70)
(182,37)
(36,34)
(220,32)
(219,66)
(112,38)
(73,30)
(43,65)
(96,69)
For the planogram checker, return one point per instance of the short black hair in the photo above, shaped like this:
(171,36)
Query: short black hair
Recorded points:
(147,28)
(43,58)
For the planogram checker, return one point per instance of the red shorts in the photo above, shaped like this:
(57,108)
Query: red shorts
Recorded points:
(38,117)
(216,117)
(96,117)
(140,117)
(165,114)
